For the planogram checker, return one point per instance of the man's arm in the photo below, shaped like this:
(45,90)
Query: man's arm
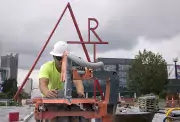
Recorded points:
(43,85)
(44,81)
(79,86)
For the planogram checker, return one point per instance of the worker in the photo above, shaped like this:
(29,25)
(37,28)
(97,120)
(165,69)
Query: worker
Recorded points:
(49,74)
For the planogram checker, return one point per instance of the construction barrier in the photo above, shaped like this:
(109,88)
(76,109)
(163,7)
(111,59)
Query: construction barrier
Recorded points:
(13,116)
(171,102)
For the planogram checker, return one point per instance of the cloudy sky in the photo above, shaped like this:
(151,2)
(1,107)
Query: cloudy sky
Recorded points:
(128,26)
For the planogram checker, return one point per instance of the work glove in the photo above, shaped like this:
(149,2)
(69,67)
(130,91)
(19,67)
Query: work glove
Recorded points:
(81,94)
(51,94)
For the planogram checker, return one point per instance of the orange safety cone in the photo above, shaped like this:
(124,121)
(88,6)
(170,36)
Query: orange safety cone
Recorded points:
(173,102)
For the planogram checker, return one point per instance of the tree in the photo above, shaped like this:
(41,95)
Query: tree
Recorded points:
(24,95)
(10,87)
(3,96)
(147,73)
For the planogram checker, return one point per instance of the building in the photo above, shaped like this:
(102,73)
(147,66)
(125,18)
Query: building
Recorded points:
(173,83)
(120,65)
(28,86)
(11,61)
(4,74)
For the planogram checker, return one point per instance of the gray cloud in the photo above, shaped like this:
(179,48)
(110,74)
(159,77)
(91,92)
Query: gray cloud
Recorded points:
(1,47)
(25,26)
(154,19)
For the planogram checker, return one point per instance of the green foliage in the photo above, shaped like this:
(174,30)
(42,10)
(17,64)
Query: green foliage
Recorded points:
(9,90)
(163,94)
(148,73)
(3,96)
(24,95)
(10,103)
(10,87)
(13,103)
(2,104)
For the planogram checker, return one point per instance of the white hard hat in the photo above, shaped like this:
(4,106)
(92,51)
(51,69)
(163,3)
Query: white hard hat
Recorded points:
(59,48)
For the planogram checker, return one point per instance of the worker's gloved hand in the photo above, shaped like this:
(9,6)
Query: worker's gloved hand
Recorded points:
(81,94)
(51,94)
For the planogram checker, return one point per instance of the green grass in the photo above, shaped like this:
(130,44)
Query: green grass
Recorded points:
(2,104)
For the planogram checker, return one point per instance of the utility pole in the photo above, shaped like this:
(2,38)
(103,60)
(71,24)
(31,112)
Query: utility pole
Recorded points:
(175,66)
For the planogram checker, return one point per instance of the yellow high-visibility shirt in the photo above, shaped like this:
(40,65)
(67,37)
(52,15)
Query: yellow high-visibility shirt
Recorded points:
(48,70)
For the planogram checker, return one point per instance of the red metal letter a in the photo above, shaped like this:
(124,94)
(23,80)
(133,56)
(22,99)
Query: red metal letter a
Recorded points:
(37,59)
(79,32)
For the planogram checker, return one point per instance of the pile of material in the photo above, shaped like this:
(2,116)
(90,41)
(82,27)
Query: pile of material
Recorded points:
(148,103)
